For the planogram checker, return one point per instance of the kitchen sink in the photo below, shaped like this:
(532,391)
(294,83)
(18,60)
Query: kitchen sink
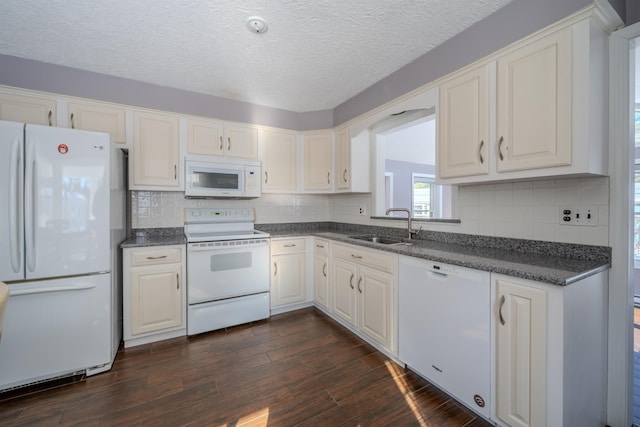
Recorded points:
(381,240)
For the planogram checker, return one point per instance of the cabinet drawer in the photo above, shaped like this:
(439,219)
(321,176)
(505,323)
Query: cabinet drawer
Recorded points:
(287,246)
(375,259)
(321,246)
(151,256)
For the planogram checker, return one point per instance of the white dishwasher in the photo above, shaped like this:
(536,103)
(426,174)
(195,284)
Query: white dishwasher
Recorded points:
(444,328)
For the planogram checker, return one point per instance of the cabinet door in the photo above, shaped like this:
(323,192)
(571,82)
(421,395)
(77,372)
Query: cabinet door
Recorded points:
(241,141)
(156,150)
(98,118)
(27,109)
(317,161)
(343,160)
(521,356)
(156,301)
(374,291)
(288,279)
(534,105)
(321,279)
(463,125)
(343,281)
(279,161)
(204,137)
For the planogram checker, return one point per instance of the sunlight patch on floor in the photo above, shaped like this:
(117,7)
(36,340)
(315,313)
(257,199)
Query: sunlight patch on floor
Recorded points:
(402,385)
(258,418)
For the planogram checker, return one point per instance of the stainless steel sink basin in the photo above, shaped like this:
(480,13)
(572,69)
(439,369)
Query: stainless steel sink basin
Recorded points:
(381,240)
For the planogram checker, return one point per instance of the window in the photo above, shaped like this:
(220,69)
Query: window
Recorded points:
(426,196)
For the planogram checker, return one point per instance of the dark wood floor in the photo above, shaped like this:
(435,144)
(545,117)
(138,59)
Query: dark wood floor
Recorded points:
(298,368)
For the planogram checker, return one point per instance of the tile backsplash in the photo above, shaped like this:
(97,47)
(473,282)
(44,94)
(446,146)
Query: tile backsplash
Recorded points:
(525,210)
(158,209)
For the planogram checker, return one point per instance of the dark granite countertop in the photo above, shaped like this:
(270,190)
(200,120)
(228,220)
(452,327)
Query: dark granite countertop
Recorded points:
(548,262)
(155,237)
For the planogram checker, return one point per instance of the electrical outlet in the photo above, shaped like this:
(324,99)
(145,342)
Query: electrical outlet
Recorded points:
(362,210)
(582,216)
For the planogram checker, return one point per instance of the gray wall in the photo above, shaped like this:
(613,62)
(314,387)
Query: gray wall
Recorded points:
(514,21)
(509,24)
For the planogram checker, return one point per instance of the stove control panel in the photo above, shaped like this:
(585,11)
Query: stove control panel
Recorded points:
(212,215)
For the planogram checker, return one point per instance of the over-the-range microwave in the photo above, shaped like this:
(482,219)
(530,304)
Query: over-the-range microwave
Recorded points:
(218,177)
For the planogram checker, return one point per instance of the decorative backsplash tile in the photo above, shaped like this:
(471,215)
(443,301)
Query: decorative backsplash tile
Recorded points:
(523,210)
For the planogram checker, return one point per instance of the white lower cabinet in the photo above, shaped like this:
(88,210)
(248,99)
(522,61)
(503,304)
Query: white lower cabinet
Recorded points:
(154,294)
(321,273)
(551,352)
(288,271)
(363,286)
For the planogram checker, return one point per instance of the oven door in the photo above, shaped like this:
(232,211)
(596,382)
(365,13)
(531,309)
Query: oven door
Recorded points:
(227,269)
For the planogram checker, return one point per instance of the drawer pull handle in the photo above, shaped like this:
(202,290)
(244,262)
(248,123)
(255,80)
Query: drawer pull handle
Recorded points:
(351,281)
(290,245)
(502,301)
(319,246)
(356,256)
(359,282)
(324,270)
(157,257)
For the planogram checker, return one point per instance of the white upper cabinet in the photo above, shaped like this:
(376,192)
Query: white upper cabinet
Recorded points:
(204,137)
(241,141)
(213,138)
(463,124)
(318,165)
(27,109)
(534,105)
(279,161)
(155,162)
(98,118)
(343,160)
(534,109)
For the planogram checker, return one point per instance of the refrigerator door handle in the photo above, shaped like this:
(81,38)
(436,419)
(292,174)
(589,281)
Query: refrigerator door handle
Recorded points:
(15,207)
(30,207)
(49,289)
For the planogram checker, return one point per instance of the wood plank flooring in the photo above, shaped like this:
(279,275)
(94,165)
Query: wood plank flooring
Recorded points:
(298,368)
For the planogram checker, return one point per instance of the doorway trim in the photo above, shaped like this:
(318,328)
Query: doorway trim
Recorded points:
(621,167)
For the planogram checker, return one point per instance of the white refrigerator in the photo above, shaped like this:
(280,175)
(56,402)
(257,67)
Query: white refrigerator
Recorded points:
(61,221)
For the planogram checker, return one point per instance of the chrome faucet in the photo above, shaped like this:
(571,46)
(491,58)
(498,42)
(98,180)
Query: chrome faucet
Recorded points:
(410,231)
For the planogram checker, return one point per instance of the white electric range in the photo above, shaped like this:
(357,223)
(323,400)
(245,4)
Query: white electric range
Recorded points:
(227,269)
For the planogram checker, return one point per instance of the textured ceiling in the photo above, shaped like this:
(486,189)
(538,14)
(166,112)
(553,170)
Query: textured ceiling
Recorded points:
(315,55)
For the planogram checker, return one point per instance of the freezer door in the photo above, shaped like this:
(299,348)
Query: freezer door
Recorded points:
(66,202)
(11,198)
(55,327)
